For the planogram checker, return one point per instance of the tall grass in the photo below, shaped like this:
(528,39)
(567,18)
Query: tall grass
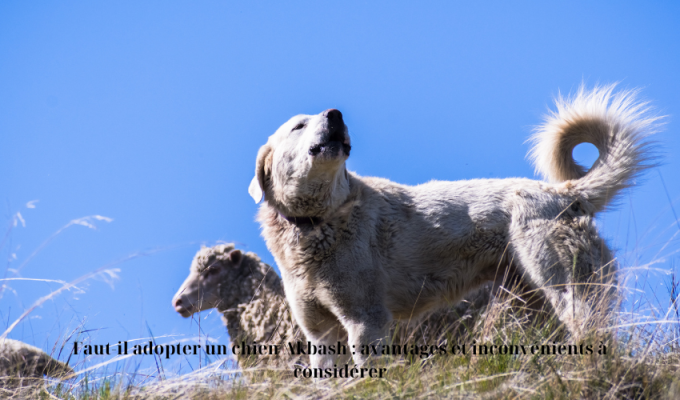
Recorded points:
(640,359)
(635,354)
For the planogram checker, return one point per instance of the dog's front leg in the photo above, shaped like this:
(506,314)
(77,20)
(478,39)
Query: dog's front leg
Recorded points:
(322,330)
(367,336)
(327,338)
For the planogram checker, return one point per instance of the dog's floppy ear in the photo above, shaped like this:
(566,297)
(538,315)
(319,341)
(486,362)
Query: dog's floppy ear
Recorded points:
(263,167)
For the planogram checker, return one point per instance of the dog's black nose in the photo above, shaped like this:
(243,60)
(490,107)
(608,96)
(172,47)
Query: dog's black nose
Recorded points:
(333,115)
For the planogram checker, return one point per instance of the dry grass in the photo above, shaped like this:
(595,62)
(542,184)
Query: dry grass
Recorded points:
(642,360)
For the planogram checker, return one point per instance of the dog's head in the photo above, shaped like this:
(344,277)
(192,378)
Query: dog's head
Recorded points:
(301,168)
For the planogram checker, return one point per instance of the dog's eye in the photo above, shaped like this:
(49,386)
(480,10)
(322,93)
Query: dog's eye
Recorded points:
(299,126)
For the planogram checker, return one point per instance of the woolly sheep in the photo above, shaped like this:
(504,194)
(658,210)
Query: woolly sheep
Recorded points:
(250,296)
(245,290)
(24,365)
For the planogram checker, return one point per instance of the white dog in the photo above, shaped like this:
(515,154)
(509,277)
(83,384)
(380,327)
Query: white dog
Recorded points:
(355,252)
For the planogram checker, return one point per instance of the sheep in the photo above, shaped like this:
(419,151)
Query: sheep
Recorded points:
(245,290)
(24,365)
(250,296)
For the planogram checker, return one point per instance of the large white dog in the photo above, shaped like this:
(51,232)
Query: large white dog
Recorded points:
(355,252)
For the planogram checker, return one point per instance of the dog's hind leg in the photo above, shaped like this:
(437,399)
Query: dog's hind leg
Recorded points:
(571,264)
(515,284)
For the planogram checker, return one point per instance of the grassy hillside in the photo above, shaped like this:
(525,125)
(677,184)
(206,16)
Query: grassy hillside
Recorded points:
(499,354)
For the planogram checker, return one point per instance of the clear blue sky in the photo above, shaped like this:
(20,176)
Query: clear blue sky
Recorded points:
(151,113)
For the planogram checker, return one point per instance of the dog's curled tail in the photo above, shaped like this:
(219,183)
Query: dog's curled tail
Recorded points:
(616,123)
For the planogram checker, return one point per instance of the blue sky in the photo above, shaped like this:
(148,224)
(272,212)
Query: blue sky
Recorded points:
(151,113)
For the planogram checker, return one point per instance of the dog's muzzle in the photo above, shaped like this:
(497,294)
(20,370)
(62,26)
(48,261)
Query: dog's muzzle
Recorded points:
(334,139)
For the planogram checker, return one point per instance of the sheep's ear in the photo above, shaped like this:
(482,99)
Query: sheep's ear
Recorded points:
(235,256)
(263,167)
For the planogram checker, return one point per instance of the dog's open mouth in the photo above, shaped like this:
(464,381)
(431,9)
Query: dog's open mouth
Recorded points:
(331,145)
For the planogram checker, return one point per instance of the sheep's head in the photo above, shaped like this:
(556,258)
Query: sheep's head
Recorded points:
(213,272)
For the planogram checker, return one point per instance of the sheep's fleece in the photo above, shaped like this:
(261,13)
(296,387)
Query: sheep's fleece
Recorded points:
(356,252)
(22,364)
(245,290)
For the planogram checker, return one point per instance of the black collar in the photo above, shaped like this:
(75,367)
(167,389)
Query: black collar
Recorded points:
(302,221)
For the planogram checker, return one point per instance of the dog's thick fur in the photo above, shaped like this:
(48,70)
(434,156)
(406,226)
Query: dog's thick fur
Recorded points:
(356,252)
